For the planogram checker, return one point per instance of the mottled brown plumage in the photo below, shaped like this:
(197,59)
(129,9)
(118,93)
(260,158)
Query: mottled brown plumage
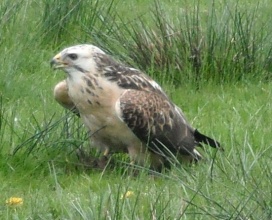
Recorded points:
(125,109)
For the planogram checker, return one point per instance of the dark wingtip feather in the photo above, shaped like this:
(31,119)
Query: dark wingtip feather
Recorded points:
(201,138)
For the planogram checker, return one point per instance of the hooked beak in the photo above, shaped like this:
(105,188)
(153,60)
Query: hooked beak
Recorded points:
(57,62)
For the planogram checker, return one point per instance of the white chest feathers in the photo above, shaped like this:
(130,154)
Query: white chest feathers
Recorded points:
(96,98)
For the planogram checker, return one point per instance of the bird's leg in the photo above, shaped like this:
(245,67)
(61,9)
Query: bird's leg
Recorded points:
(132,162)
(106,152)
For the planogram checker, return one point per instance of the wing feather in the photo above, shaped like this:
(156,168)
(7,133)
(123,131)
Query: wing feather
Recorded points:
(156,121)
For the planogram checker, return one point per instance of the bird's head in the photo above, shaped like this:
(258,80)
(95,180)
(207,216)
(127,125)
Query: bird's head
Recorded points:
(79,58)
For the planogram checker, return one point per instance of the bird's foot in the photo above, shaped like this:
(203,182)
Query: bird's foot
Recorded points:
(89,162)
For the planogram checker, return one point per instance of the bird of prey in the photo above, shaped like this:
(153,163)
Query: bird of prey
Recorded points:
(124,109)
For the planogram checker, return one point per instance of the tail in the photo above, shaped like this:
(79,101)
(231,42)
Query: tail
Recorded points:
(201,138)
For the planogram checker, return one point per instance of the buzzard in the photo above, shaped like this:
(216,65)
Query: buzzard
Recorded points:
(124,109)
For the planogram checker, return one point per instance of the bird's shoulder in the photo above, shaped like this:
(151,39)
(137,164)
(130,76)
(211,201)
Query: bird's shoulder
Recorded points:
(124,76)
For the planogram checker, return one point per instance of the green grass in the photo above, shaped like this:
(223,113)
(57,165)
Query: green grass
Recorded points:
(230,185)
(227,97)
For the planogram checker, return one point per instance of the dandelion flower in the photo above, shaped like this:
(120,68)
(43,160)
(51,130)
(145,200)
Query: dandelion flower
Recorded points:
(12,201)
(127,194)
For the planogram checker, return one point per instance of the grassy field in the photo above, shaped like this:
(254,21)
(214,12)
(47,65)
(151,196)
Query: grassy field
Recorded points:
(212,58)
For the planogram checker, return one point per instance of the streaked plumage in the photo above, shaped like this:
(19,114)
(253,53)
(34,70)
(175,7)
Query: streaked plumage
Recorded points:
(124,108)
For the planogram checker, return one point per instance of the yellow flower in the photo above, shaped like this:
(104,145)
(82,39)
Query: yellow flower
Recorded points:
(127,194)
(12,201)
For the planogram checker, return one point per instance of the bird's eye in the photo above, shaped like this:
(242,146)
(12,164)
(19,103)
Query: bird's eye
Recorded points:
(72,56)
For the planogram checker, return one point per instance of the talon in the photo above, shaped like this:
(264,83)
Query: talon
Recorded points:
(106,152)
